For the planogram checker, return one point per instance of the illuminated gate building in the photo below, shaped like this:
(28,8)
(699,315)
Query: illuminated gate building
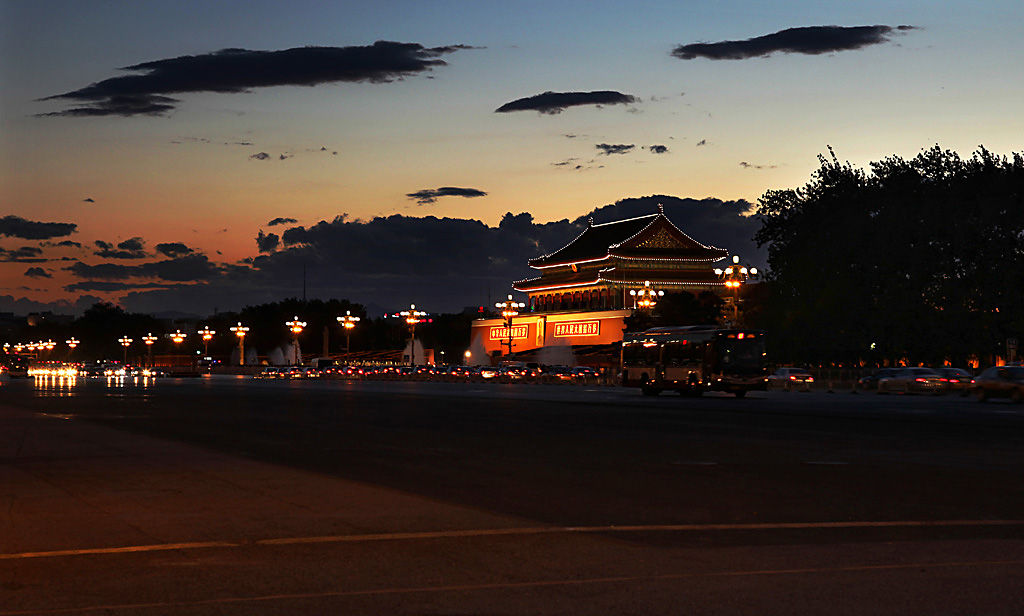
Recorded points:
(582,295)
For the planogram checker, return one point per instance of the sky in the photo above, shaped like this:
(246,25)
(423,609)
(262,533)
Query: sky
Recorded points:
(203,156)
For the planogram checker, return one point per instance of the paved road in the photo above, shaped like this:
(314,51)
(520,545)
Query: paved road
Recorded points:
(238,496)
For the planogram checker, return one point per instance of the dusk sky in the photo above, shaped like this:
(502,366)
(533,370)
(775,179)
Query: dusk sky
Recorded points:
(192,156)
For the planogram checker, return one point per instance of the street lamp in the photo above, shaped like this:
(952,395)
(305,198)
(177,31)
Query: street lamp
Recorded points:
(149,339)
(207,335)
(348,322)
(48,345)
(295,326)
(72,342)
(125,342)
(240,331)
(509,309)
(177,338)
(412,317)
(645,298)
(734,276)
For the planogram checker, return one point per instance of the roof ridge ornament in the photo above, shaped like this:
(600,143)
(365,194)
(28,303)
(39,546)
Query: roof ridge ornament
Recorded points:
(590,221)
(661,208)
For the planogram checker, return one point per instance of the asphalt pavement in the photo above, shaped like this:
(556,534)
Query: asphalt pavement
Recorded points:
(232,496)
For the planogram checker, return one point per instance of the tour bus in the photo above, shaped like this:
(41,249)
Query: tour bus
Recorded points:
(694,359)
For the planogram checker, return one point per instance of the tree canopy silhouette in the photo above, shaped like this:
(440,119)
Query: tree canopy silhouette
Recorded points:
(919,259)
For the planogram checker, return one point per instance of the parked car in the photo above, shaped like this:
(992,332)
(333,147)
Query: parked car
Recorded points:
(912,380)
(790,378)
(1000,382)
(955,379)
(871,381)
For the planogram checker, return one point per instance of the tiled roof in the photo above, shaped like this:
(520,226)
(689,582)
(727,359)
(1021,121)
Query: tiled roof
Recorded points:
(595,240)
(659,238)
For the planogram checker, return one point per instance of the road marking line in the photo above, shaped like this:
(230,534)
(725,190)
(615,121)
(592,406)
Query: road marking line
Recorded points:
(494,532)
(513,585)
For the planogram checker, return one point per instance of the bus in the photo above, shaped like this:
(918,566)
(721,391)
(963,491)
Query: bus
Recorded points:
(694,359)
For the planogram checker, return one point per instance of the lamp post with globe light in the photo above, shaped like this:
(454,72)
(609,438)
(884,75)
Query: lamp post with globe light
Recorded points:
(125,342)
(295,326)
(412,317)
(646,298)
(48,345)
(206,334)
(149,339)
(735,276)
(240,331)
(72,342)
(348,322)
(509,310)
(177,338)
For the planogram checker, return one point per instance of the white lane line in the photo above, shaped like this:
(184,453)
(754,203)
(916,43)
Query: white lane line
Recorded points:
(496,532)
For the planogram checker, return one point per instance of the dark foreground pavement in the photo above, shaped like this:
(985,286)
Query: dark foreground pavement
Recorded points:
(96,519)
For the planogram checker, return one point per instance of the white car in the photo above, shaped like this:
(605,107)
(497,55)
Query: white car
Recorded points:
(790,378)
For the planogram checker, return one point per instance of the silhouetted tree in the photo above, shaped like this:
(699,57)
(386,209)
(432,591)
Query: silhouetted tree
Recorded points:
(921,259)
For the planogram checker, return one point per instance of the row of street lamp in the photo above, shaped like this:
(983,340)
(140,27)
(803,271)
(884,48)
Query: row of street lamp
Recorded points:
(348,322)
(644,298)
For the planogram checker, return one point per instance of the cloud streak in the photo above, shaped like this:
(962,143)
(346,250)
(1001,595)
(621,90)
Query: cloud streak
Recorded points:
(16,226)
(37,272)
(431,195)
(194,267)
(231,71)
(133,248)
(614,148)
(552,103)
(811,40)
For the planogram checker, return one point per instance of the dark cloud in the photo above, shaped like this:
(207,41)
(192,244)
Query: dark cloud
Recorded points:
(69,244)
(281,221)
(25,254)
(431,195)
(811,40)
(747,165)
(260,156)
(242,70)
(37,272)
(619,148)
(88,200)
(557,102)
(16,226)
(702,142)
(133,248)
(440,264)
(173,249)
(267,242)
(24,305)
(658,149)
(113,287)
(193,267)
